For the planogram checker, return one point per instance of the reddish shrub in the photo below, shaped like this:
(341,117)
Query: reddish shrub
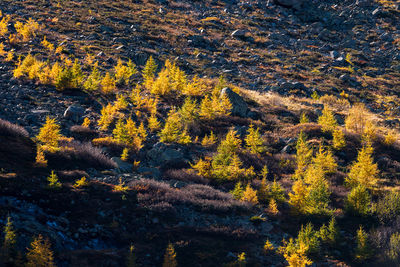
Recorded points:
(201,197)
(82,133)
(9,129)
(83,155)
(184,175)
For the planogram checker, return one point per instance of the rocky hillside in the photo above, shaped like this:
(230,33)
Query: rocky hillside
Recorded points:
(199,133)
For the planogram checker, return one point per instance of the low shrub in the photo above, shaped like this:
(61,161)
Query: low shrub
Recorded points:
(202,197)
(9,129)
(388,207)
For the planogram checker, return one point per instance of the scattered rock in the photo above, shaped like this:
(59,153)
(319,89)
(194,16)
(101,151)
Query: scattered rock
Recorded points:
(162,155)
(239,34)
(122,166)
(74,113)
(239,106)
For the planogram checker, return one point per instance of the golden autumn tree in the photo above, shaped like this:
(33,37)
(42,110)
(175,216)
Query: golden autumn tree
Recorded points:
(357,119)
(339,141)
(40,254)
(250,195)
(49,134)
(206,109)
(170,257)
(303,155)
(327,120)
(364,171)
(153,123)
(189,111)
(108,84)
(10,239)
(124,72)
(325,161)
(253,140)
(94,80)
(174,130)
(149,72)
(298,196)
(108,114)
(363,250)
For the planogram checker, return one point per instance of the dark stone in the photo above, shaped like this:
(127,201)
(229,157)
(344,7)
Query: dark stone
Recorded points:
(239,106)
(74,113)
(295,4)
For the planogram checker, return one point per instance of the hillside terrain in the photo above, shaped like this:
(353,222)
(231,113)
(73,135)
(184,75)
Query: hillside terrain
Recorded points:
(199,133)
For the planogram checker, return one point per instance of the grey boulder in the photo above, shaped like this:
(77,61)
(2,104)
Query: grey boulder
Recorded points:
(74,113)
(239,106)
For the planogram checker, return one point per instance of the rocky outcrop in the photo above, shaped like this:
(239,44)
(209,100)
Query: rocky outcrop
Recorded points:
(74,113)
(239,106)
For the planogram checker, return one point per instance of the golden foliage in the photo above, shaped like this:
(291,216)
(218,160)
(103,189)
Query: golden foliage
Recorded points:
(128,134)
(339,141)
(108,114)
(215,106)
(121,103)
(28,29)
(253,140)
(189,111)
(125,154)
(390,137)
(327,120)
(86,122)
(4,25)
(303,155)
(268,246)
(250,195)
(357,119)
(364,171)
(49,134)
(304,118)
(9,237)
(203,167)
(363,250)
(94,80)
(24,66)
(40,158)
(153,123)
(174,130)
(53,180)
(148,72)
(324,160)
(47,44)
(170,257)
(295,254)
(10,56)
(298,198)
(83,182)
(209,140)
(124,72)
(273,207)
(40,254)
(2,51)
(108,84)
(195,88)
(121,187)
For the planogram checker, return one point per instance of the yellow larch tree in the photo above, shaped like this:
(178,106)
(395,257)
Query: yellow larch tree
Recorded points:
(170,257)
(364,171)
(49,134)
(40,254)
